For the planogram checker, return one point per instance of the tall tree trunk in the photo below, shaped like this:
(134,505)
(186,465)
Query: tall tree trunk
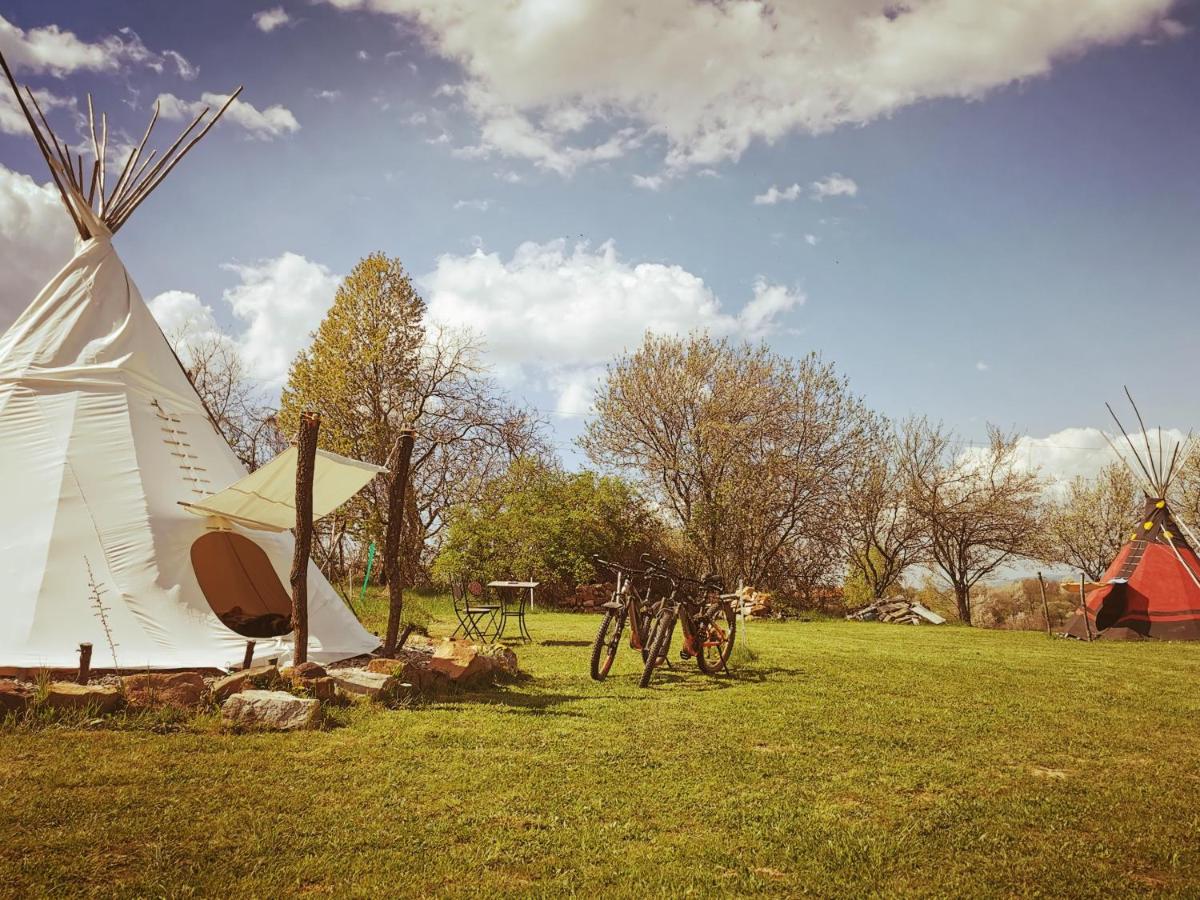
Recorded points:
(306,460)
(397,490)
(962,597)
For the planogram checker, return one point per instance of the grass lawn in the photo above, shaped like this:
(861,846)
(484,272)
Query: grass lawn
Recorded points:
(846,759)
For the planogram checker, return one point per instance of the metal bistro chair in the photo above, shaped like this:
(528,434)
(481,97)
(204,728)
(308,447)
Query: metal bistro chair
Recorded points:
(476,618)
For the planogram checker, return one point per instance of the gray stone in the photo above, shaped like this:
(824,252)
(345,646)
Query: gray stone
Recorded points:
(361,683)
(274,710)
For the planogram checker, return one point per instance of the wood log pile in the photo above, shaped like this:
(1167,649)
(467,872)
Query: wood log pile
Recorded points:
(896,611)
(589,597)
(755,603)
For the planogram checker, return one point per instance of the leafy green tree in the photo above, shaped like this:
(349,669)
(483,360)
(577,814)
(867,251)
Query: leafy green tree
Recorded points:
(541,523)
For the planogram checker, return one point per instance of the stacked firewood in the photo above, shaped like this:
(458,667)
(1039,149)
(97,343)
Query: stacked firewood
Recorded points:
(754,603)
(896,611)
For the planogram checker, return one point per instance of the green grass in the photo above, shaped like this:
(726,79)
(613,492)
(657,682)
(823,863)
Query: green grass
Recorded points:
(844,759)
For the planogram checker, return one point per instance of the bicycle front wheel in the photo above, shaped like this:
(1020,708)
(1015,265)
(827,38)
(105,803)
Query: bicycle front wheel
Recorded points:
(716,642)
(660,639)
(604,648)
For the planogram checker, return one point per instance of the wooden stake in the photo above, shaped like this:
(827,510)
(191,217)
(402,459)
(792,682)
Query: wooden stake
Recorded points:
(85,663)
(1045,605)
(397,496)
(306,460)
(248,659)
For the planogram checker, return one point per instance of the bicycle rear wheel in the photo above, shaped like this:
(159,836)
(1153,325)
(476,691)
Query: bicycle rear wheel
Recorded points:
(660,639)
(716,643)
(604,648)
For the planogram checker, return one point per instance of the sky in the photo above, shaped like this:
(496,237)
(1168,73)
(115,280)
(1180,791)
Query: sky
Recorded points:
(980,211)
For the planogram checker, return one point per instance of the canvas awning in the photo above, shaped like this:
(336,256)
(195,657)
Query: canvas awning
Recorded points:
(266,498)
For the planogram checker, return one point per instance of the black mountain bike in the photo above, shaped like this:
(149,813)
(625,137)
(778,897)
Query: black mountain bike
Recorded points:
(627,604)
(707,618)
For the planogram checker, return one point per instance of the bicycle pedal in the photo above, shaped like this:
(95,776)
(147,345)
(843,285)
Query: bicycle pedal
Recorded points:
(683,654)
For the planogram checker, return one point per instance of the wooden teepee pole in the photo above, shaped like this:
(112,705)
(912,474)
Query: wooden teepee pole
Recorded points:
(1146,438)
(43,147)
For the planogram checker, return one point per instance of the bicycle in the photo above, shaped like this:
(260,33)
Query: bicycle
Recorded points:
(708,620)
(626,605)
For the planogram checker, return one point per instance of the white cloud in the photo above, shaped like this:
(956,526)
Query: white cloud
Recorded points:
(709,79)
(36,240)
(649,182)
(268,20)
(328,95)
(477,205)
(275,307)
(552,313)
(811,239)
(51,50)
(834,185)
(774,195)
(12,120)
(278,304)
(264,125)
(981,366)
(186,321)
(1080,452)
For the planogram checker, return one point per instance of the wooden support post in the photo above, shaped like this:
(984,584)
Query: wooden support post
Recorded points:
(306,460)
(248,659)
(397,497)
(1045,605)
(85,663)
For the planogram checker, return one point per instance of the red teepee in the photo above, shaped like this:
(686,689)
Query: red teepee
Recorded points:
(1152,588)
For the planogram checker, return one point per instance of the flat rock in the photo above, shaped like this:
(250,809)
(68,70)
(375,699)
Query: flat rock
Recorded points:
(257,677)
(181,690)
(14,696)
(385,666)
(361,683)
(273,710)
(102,698)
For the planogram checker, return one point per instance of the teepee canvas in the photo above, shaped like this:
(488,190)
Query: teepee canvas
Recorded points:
(1152,587)
(108,531)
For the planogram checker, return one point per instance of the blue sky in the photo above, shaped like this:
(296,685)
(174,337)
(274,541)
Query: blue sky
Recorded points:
(1021,239)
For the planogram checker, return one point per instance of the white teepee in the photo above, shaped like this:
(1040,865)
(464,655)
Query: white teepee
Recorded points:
(102,439)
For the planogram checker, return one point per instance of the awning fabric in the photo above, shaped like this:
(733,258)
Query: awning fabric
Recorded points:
(266,498)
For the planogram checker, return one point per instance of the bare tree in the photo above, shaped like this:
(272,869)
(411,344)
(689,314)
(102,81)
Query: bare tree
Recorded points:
(213,363)
(742,448)
(979,509)
(1086,528)
(1185,488)
(884,537)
